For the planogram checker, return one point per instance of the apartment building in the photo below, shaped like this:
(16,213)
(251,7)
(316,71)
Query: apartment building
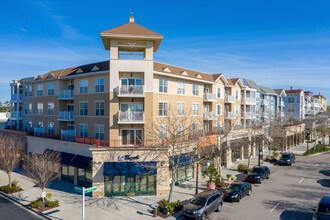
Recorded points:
(97,116)
(294,104)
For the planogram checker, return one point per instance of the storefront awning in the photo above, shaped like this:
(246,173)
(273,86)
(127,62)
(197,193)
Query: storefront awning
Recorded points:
(66,158)
(184,159)
(81,162)
(129,168)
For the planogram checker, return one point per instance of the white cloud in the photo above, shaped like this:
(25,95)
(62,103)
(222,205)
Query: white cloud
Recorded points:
(23,29)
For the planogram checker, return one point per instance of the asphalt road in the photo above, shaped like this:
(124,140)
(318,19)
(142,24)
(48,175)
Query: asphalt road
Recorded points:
(11,211)
(290,193)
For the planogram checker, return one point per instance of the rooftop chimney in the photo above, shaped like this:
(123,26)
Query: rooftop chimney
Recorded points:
(291,87)
(131,19)
(320,93)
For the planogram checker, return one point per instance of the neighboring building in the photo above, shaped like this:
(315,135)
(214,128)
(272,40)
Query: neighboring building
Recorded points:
(294,104)
(280,104)
(322,101)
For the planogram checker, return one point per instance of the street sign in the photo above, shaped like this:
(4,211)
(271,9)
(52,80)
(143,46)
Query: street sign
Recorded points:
(78,189)
(91,189)
(43,194)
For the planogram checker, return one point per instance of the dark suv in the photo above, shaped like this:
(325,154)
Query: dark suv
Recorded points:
(287,159)
(203,204)
(236,191)
(322,212)
(258,173)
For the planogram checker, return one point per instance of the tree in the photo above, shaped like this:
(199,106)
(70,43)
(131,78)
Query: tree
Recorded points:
(10,153)
(171,141)
(42,168)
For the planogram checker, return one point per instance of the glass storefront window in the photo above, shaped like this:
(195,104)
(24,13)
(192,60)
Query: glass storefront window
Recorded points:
(71,174)
(89,179)
(184,173)
(64,171)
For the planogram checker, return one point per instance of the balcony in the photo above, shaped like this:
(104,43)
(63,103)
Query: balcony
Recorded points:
(68,135)
(229,99)
(230,115)
(248,115)
(13,114)
(131,91)
(264,102)
(282,114)
(249,100)
(210,116)
(66,95)
(210,97)
(131,117)
(39,132)
(281,103)
(66,116)
(20,115)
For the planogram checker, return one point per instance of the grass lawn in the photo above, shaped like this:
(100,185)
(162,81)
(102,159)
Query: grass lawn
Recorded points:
(317,149)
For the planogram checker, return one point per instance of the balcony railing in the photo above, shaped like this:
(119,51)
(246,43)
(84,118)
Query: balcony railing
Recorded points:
(229,98)
(39,132)
(230,115)
(248,115)
(210,116)
(13,114)
(66,116)
(249,100)
(282,114)
(264,102)
(130,117)
(20,113)
(210,97)
(281,103)
(66,94)
(68,135)
(14,97)
(131,91)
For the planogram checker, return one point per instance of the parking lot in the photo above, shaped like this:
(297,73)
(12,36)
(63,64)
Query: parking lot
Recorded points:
(290,193)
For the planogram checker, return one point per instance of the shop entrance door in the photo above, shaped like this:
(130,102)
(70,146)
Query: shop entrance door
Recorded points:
(130,184)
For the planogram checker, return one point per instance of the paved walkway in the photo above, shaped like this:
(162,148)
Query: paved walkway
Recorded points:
(136,208)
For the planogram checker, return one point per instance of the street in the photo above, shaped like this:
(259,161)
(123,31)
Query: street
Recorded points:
(290,193)
(11,211)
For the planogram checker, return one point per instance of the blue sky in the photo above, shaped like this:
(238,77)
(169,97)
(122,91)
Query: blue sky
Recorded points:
(278,43)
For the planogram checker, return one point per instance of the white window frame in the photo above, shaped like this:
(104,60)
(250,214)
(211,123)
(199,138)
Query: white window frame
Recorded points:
(52,128)
(135,139)
(51,91)
(236,109)
(180,130)
(163,112)
(98,109)
(195,109)
(181,88)
(162,132)
(40,90)
(83,102)
(219,93)
(181,111)
(83,89)
(195,89)
(50,110)
(84,130)
(99,85)
(219,109)
(40,111)
(163,86)
(236,95)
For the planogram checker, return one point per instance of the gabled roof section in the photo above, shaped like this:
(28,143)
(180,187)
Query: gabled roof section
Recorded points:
(220,76)
(167,70)
(280,92)
(292,91)
(131,28)
(268,91)
(95,68)
(103,66)
(184,73)
(159,67)
(251,84)
(236,81)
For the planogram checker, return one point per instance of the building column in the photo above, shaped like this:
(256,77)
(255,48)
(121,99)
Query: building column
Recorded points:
(75,179)
(228,155)
(247,151)
(242,152)
(17,116)
(245,108)
(262,146)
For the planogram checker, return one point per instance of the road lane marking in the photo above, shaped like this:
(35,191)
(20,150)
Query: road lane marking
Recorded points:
(301,180)
(274,207)
(316,165)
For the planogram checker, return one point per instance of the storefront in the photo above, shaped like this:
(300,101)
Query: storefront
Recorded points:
(235,153)
(185,167)
(130,178)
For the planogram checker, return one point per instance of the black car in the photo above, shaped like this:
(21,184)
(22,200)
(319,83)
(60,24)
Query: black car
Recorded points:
(258,173)
(287,159)
(203,204)
(322,212)
(236,191)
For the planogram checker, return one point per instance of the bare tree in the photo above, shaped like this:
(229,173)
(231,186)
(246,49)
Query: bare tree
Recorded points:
(42,168)
(172,141)
(10,153)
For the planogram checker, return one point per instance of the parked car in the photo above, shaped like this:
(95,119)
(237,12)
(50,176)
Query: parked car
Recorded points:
(258,174)
(287,159)
(203,204)
(322,212)
(236,191)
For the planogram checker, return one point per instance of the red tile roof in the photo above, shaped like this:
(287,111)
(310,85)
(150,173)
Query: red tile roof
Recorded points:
(131,28)
(293,91)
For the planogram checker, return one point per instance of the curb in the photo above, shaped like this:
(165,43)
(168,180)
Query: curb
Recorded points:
(325,152)
(24,206)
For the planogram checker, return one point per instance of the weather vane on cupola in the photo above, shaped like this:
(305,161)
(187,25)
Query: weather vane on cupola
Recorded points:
(131,12)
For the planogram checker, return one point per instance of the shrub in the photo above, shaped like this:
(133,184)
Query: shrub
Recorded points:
(14,183)
(228,176)
(220,183)
(212,173)
(36,204)
(243,168)
(232,178)
(52,204)
(276,154)
(49,195)
(9,190)
(165,208)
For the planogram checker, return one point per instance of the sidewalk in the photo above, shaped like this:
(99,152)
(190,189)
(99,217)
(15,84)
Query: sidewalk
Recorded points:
(134,208)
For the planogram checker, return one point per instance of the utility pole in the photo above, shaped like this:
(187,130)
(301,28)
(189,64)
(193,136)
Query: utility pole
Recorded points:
(259,153)
(196,191)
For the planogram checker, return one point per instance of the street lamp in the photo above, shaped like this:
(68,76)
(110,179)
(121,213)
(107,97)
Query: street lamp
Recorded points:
(259,153)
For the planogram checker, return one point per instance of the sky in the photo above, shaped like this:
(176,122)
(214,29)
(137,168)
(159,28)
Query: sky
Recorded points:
(276,43)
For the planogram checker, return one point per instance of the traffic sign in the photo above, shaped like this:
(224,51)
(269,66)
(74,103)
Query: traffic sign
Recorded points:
(91,189)
(78,189)
(43,194)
